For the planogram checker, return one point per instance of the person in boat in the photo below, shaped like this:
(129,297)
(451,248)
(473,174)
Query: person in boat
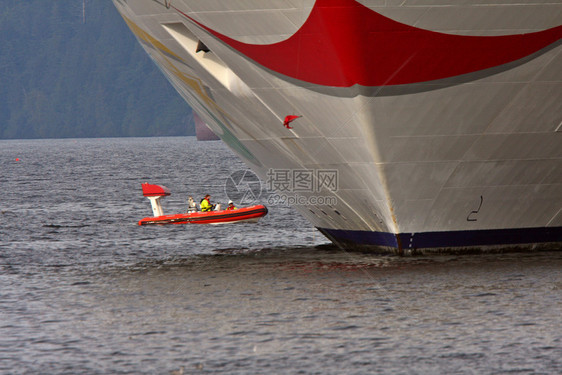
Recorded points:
(206,205)
(191,206)
(231,206)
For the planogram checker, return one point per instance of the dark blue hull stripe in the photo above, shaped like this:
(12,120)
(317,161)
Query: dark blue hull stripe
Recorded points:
(490,237)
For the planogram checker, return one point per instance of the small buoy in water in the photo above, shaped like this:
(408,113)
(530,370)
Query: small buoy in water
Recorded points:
(17,159)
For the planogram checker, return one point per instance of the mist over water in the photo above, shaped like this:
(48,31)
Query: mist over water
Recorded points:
(84,289)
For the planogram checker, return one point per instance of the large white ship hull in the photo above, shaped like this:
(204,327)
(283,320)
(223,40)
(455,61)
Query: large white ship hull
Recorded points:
(442,121)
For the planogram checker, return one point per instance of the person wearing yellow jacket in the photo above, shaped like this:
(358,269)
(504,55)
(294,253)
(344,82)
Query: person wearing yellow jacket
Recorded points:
(206,204)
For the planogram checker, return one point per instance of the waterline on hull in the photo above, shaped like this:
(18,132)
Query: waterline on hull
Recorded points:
(469,242)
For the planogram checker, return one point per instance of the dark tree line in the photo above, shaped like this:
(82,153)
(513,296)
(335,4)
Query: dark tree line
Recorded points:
(64,75)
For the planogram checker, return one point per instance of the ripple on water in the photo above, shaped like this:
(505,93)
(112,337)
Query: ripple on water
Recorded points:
(84,289)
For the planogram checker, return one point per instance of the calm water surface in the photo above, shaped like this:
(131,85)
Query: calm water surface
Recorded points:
(84,289)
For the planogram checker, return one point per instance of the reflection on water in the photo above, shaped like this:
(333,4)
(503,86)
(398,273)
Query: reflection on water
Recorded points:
(287,310)
(329,312)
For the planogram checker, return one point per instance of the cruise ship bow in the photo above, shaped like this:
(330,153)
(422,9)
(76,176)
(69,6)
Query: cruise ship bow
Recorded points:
(440,123)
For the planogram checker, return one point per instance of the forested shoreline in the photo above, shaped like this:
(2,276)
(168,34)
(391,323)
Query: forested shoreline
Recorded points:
(65,73)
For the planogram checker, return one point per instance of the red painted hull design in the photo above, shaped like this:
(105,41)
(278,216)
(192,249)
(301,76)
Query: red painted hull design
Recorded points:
(252,213)
(344,43)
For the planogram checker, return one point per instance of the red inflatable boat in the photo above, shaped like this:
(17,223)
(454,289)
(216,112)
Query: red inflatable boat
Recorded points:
(156,192)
